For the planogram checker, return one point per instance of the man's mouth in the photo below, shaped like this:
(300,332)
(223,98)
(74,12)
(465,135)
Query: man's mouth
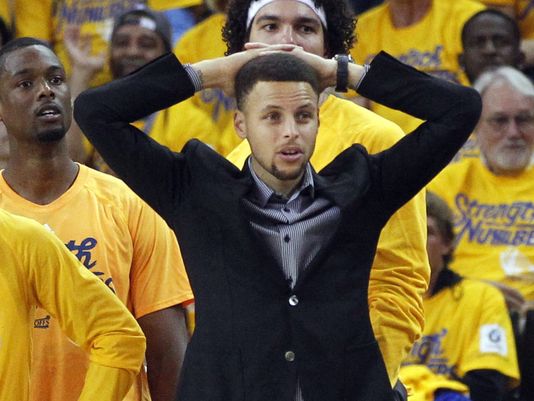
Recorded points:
(129,66)
(49,112)
(291,154)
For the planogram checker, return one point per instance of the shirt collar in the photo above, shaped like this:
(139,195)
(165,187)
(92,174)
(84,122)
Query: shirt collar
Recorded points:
(263,193)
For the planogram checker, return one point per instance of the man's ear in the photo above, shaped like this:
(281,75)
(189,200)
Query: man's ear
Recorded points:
(240,124)
(521,58)
(461,61)
(447,249)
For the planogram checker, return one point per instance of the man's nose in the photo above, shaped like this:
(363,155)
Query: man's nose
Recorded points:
(132,50)
(288,36)
(46,89)
(489,46)
(514,129)
(291,128)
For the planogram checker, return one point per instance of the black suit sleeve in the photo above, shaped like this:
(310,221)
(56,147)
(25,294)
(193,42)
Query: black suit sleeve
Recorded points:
(104,114)
(451,112)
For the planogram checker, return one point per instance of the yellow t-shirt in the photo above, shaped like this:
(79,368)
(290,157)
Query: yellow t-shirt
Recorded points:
(467,327)
(431,45)
(422,383)
(38,270)
(162,5)
(47,20)
(400,270)
(202,42)
(123,242)
(493,223)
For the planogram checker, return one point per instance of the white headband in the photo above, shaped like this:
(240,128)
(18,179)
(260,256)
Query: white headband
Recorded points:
(147,23)
(255,6)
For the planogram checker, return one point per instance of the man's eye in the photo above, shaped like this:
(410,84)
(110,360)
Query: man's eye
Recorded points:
(307,29)
(304,116)
(25,84)
(273,116)
(120,43)
(56,80)
(501,42)
(148,44)
(269,27)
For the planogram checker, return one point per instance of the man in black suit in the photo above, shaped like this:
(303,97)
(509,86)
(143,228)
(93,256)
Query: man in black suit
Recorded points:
(279,272)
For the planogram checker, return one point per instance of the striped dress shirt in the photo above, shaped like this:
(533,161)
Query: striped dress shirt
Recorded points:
(293,228)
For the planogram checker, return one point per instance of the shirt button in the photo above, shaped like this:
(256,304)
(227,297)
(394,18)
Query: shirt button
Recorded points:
(293,300)
(286,238)
(290,356)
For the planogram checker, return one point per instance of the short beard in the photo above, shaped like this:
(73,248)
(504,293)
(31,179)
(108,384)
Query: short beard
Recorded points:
(282,176)
(53,135)
(512,162)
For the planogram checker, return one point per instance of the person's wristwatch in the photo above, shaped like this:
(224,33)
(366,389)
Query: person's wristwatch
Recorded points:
(342,77)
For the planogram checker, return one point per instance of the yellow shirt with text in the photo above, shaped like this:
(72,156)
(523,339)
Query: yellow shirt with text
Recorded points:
(467,327)
(493,218)
(122,241)
(400,270)
(47,20)
(37,269)
(432,45)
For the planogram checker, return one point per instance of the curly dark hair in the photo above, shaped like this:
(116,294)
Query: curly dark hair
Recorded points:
(339,37)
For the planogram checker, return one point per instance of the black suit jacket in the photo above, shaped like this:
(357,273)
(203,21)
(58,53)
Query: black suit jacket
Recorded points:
(245,323)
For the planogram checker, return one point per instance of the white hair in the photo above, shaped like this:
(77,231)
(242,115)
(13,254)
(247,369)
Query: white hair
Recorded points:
(515,78)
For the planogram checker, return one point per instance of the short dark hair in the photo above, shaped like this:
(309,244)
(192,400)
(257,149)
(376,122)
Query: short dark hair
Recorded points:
(339,37)
(276,67)
(17,44)
(493,12)
(438,209)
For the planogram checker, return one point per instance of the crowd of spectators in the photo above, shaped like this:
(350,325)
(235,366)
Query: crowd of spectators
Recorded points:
(451,289)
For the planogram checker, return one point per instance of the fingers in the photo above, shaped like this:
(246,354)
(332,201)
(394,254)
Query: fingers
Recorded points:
(78,47)
(76,44)
(277,47)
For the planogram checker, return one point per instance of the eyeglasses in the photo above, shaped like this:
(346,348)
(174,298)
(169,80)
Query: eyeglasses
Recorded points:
(523,121)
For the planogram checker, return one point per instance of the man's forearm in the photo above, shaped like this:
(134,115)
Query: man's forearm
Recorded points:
(167,339)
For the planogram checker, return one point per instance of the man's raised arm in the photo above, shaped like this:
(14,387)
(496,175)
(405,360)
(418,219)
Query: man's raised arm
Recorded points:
(450,112)
(105,115)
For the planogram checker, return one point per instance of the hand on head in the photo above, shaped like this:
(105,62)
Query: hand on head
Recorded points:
(78,47)
(326,68)
(220,73)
